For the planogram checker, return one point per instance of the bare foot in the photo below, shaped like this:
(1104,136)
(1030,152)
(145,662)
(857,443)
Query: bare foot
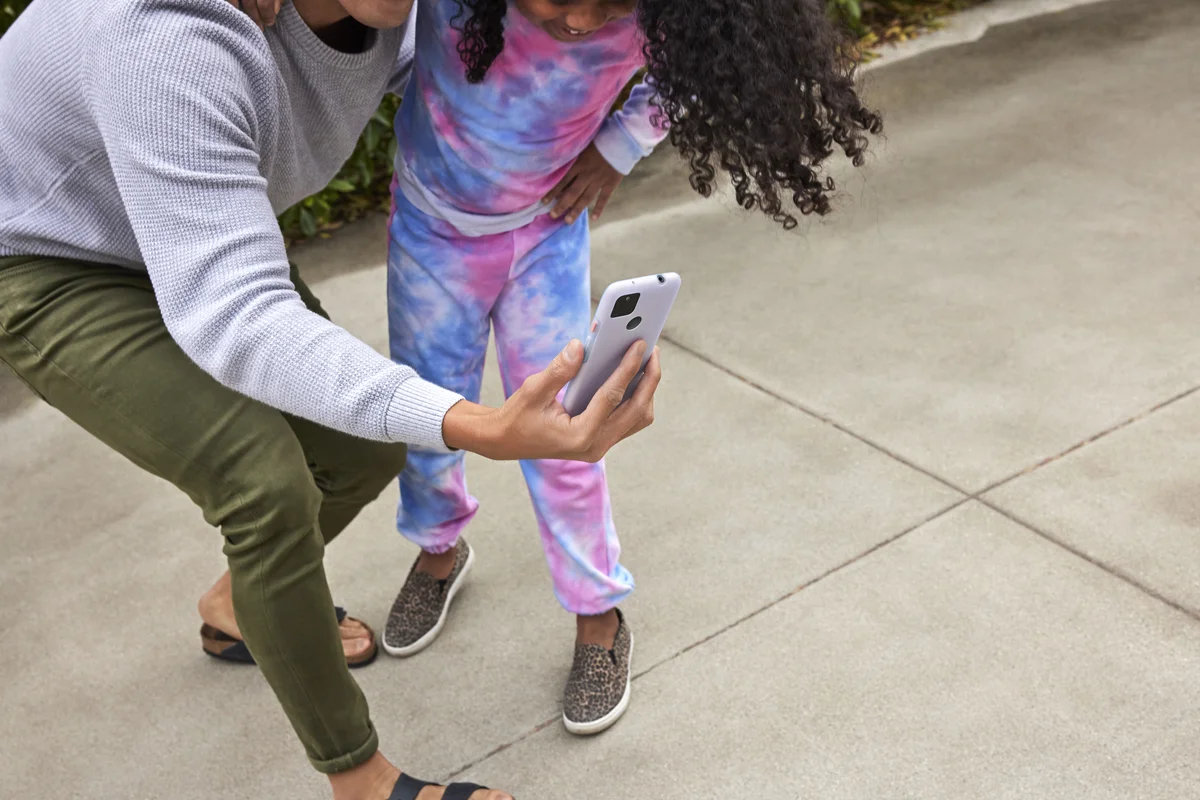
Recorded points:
(436,792)
(600,629)
(375,779)
(216,609)
(439,565)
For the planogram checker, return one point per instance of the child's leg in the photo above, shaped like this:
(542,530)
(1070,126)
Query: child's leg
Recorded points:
(546,303)
(441,288)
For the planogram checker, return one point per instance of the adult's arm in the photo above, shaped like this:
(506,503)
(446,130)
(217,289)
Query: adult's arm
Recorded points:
(185,96)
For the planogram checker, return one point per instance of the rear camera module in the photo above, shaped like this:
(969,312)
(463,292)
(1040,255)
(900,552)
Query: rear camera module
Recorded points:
(625,305)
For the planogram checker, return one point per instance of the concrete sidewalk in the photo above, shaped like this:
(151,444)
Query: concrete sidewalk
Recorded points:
(919,518)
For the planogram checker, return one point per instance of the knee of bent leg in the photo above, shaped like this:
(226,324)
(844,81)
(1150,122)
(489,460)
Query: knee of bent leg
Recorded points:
(276,505)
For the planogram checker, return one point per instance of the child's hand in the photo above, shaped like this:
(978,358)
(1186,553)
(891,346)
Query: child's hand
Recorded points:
(263,12)
(591,179)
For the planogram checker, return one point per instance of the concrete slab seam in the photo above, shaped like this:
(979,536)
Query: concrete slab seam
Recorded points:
(1111,570)
(979,495)
(459,772)
(1091,439)
(822,418)
(722,631)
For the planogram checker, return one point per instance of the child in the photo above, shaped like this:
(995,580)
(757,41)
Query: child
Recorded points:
(505,139)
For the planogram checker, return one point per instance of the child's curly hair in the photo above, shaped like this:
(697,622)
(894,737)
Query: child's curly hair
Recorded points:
(762,89)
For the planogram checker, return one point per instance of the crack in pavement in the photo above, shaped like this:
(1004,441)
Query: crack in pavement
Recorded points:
(814,414)
(722,631)
(979,495)
(1116,572)
(966,497)
(1094,438)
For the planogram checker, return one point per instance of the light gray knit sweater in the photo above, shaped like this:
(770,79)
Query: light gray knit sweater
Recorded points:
(165,135)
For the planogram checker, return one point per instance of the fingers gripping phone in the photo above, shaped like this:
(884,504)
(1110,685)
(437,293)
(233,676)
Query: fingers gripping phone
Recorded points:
(629,311)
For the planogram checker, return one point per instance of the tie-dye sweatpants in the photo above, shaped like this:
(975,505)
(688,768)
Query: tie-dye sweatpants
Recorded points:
(531,285)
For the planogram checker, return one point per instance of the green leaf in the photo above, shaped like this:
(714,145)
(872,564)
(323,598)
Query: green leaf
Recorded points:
(848,10)
(340,185)
(289,221)
(307,223)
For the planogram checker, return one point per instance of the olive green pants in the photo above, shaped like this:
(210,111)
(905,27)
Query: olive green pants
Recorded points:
(89,339)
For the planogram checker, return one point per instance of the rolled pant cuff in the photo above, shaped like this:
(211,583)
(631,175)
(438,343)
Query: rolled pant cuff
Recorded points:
(359,755)
(441,539)
(439,548)
(593,606)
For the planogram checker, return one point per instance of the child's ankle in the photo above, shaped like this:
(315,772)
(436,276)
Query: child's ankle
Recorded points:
(439,565)
(600,629)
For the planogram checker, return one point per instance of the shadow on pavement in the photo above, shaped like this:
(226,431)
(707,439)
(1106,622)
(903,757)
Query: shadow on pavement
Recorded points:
(14,395)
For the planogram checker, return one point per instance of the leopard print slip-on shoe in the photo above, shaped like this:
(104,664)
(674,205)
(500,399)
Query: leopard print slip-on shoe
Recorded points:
(420,609)
(598,688)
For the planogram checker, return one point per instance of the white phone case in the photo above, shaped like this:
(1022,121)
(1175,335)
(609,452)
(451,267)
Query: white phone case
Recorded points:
(611,337)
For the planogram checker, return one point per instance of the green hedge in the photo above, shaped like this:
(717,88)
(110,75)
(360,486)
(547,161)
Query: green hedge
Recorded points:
(880,21)
(849,11)
(362,185)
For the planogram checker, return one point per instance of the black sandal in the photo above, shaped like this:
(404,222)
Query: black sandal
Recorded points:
(408,787)
(220,645)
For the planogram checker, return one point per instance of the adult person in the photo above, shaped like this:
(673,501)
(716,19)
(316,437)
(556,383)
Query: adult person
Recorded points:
(145,148)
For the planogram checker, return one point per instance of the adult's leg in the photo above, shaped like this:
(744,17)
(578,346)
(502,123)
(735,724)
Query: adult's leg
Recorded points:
(350,473)
(545,304)
(90,340)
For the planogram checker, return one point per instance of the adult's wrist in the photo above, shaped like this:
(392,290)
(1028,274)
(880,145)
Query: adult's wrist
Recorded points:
(415,414)
(471,427)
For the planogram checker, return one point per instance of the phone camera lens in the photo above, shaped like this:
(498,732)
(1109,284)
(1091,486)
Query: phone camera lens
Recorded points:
(633,323)
(661,279)
(625,305)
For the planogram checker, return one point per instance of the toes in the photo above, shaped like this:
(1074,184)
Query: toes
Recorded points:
(356,637)
(353,629)
(356,647)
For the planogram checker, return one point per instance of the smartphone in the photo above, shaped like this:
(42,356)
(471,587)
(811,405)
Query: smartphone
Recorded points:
(629,311)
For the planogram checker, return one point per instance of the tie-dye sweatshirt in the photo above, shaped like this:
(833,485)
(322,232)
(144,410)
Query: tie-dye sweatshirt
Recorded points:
(482,156)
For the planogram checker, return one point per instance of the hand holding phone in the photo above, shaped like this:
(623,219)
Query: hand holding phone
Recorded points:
(533,424)
(629,311)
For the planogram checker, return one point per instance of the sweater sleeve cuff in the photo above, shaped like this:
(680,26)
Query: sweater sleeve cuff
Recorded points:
(617,146)
(416,412)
